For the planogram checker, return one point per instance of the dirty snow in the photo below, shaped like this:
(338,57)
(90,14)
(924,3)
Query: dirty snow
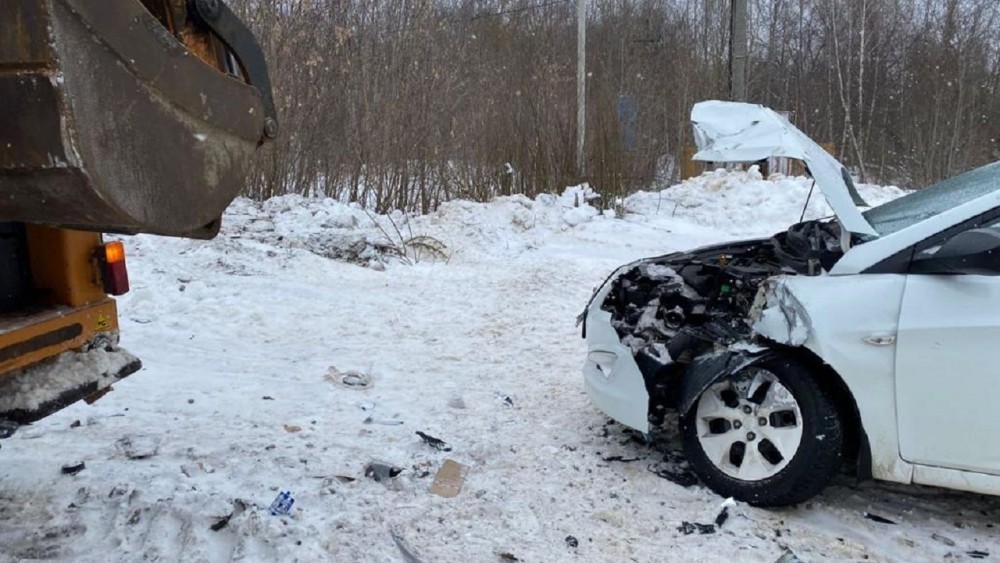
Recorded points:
(267,349)
(30,388)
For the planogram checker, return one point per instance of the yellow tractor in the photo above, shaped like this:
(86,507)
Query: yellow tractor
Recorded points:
(116,116)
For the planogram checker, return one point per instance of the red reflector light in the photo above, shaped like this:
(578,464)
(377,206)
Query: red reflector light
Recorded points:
(113,270)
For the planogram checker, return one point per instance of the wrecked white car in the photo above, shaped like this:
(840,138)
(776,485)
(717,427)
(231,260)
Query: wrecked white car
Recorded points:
(869,337)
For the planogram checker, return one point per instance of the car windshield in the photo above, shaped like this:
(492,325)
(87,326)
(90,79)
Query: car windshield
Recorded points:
(928,202)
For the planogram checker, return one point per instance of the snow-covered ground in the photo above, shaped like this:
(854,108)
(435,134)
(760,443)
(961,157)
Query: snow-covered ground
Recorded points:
(248,341)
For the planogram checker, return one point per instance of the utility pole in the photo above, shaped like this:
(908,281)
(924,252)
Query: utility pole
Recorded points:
(738,50)
(581,83)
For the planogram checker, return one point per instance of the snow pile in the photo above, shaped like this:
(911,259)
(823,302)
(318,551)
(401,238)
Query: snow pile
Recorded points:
(740,203)
(323,226)
(743,203)
(510,225)
(345,232)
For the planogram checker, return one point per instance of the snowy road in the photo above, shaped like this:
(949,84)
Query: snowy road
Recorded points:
(243,339)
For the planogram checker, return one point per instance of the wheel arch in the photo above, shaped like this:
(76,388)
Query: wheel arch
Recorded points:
(701,374)
(856,445)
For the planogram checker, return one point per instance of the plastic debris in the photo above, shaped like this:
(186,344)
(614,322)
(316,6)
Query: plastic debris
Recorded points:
(282,505)
(688,528)
(943,539)
(351,379)
(571,541)
(722,517)
(382,421)
(73,468)
(674,474)
(877,518)
(621,459)
(436,443)
(381,471)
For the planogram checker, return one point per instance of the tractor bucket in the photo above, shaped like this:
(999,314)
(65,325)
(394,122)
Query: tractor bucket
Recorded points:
(128,116)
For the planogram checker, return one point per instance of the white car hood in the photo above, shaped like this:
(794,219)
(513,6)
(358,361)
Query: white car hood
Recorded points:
(740,132)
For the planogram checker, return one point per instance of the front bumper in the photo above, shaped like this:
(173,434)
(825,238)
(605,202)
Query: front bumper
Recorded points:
(611,376)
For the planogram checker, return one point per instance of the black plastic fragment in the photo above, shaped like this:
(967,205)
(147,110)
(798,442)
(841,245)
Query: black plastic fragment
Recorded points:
(73,468)
(722,517)
(688,528)
(682,477)
(436,443)
(221,522)
(621,459)
(877,518)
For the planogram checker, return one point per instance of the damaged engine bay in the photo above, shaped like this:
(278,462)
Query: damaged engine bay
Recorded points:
(673,309)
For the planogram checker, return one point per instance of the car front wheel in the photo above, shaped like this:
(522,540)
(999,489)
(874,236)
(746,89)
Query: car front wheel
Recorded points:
(768,435)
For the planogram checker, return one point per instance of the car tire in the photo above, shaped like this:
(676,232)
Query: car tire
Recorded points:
(789,427)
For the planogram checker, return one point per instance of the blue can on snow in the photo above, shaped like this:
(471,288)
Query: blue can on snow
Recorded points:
(282,505)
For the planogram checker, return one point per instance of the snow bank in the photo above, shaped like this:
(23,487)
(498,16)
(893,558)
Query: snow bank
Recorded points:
(735,202)
(743,203)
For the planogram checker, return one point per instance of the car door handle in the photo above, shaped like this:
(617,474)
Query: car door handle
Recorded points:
(880,339)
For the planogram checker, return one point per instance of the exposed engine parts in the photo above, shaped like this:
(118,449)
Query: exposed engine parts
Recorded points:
(673,309)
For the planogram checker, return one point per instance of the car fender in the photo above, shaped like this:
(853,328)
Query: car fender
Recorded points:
(705,370)
(849,323)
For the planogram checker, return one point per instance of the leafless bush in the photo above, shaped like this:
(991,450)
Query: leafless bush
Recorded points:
(403,104)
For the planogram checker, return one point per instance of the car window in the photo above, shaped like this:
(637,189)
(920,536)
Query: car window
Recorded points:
(928,202)
(931,245)
(899,263)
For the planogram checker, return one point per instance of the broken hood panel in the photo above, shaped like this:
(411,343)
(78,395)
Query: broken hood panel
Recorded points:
(740,132)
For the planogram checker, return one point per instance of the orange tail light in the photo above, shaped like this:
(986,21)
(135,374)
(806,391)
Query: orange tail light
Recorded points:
(113,270)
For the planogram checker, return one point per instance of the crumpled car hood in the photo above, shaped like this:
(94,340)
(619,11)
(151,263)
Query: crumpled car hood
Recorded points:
(741,132)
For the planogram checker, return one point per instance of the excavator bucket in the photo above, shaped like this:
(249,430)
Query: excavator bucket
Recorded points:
(128,116)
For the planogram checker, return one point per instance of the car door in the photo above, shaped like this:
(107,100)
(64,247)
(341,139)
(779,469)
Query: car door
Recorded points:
(948,364)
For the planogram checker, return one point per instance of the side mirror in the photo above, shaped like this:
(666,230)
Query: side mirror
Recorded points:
(976,251)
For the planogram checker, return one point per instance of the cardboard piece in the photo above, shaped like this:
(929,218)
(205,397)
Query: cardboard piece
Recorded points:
(449,479)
